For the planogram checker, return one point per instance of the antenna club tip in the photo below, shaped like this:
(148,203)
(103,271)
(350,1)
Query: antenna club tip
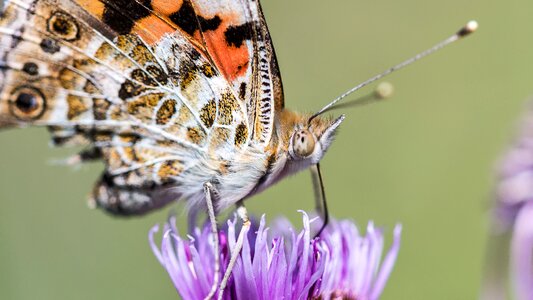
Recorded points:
(469,28)
(384,90)
(472,25)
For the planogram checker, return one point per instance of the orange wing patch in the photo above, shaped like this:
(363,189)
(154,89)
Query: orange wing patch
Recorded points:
(166,7)
(231,59)
(152,28)
(217,32)
(95,8)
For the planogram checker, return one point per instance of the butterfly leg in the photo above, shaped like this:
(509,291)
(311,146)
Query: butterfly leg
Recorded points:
(321,204)
(208,190)
(242,213)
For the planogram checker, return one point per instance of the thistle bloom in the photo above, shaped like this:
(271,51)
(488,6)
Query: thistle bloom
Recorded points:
(515,182)
(278,263)
(514,209)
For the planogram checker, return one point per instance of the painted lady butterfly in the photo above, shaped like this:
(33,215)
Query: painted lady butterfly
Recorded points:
(170,94)
(181,99)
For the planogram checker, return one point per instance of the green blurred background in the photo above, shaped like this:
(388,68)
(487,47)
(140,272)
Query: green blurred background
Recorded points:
(425,158)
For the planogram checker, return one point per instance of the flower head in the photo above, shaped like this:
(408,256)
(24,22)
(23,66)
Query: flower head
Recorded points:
(513,213)
(515,176)
(279,263)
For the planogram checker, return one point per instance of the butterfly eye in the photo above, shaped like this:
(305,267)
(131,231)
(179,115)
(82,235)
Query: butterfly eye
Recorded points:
(27,103)
(63,26)
(303,143)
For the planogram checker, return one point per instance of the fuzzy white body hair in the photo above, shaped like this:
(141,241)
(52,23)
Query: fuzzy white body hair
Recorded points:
(234,184)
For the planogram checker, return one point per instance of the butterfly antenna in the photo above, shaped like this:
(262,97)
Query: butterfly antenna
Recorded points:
(383,91)
(466,30)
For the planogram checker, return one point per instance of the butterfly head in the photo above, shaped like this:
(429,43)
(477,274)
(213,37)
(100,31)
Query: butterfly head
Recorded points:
(310,139)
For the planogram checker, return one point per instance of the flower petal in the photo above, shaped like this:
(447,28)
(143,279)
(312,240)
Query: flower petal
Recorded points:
(388,264)
(521,258)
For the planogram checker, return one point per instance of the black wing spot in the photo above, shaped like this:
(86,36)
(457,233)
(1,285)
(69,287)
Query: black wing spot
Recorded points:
(236,35)
(49,46)
(211,24)
(129,89)
(27,103)
(242,91)
(31,68)
(187,19)
(121,15)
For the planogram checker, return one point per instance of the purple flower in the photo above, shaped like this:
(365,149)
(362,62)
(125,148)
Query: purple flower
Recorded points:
(278,263)
(515,176)
(513,214)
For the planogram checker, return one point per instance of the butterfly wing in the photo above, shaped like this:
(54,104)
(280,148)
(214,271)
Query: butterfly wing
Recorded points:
(235,36)
(148,84)
(244,50)
(232,33)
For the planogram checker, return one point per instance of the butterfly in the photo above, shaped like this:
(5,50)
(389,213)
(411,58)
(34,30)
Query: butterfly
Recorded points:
(169,94)
(179,99)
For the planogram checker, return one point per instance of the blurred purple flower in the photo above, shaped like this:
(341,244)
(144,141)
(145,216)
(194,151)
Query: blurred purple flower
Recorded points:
(515,176)
(513,215)
(277,263)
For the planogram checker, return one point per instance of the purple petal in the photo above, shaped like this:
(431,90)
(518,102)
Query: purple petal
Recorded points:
(305,244)
(315,276)
(373,260)
(278,275)
(204,277)
(151,241)
(173,269)
(388,264)
(259,264)
(521,260)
